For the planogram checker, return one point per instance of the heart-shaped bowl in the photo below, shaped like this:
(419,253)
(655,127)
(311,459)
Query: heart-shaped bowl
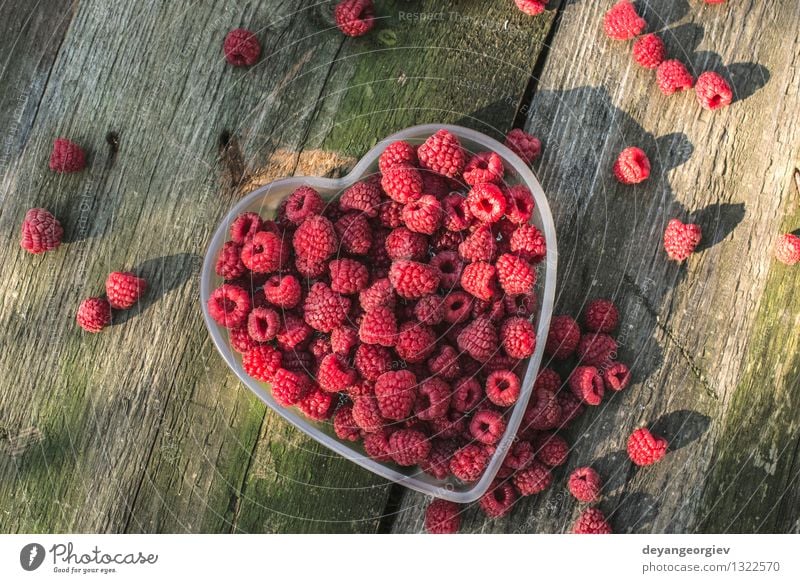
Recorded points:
(265,201)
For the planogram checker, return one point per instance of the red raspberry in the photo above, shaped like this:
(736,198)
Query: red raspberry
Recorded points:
(617,377)
(552,450)
(377,446)
(524,145)
(681,239)
(396,392)
(366,413)
(438,462)
(585,484)
(469,462)
(502,388)
(241,48)
(263,324)
(486,202)
(571,407)
(408,447)
(457,307)
(456,214)
(531,7)
(597,349)
(601,316)
(415,342)
(245,226)
(466,395)
(519,204)
(344,425)
(498,500)
(288,387)
(480,280)
(518,337)
(348,276)
(317,404)
(672,76)
(334,374)
(534,479)
(41,231)
(433,399)
(402,183)
(229,263)
(632,166)
(378,326)
(442,153)
(487,426)
(391,214)
(787,249)
(240,339)
(229,305)
(442,517)
(293,333)
(542,413)
(283,291)
(479,339)
(397,154)
(303,203)
(298,361)
(591,521)
(123,289)
(67,156)
(649,51)
(622,22)
(355,17)
(586,384)
(264,252)
(484,167)
(364,197)
(413,280)
(372,361)
(94,314)
(344,339)
(430,310)
(324,309)
(262,362)
(450,268)
(714,1)
(402,243)
(713,92)
(361,388)
(480,245)
(529,243)
(644,448)
(517,276)
(451,426)
(520,456)
(444,363)
(423,215)
(319,346)
(379,294)
(355,233)
(314,240)
(547,380)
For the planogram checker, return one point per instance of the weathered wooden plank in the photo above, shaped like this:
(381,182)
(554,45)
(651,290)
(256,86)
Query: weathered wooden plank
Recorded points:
(712,342)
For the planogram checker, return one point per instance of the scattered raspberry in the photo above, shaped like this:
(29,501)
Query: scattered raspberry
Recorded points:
(262,362)
(713,92)
(379,294)
(415,342)
(519,204)
(486,202)
(396,392)
(288,387)
(480,245)
(348,276)
(467,394)
(344,425)
(787,249)
(264,252)
(229,263)
(409,447)
(366,413)
(364,197)
(672,76)
(41,231)
(591,521)
(649,51)
(344,339)
(479,339)
(585,484)
(487,426)
(372,361)
(601,315)
(94,314)
(317,404)
(355,233)
(442,153)
(123,289)
(245,226)
(586,384)
(644,448)
(442,517)
(516,276)
(444,363)
(681,239)
(229,305)
(480,280)
(534,479)
(315,239)
(334,374)
(456,214)
(597,349)
(402,183)
(552,450)
(524,145)
(502,388)
(241,48)
(617,377)
(433,399)
(622,22)
(518,337)
(397,154)
(484,167)
(355,17)
(632,166)
(283,291)
(528,242)
(531,7)
(498,500)
(263,324)
(303,203)
(67,156)
(469,462)
(423,215)
(430,310)
(324,309)
(413,280)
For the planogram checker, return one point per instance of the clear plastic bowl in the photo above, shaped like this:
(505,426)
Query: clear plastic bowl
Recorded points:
(265,201)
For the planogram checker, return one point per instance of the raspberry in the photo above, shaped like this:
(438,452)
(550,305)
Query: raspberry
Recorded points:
(263,324)
(632,166)
(94,314)
(262,362)
(433,399)
(467,394)
(714,1)
(487,426)
(282,291)
(672,76)
(241,48)
(484,167)
(450,268)
(355,233)
(315,240)
(402,183)
(240,339)
(408,447)
(498,500)
(245,226)
(319,346)
(303,203)
(585,484)
(617,377)
(450,426)
(293,333)
(586,384)
(597,349)
(366,413)
(457,307)
(518,337)
(264,252)
(495,310)
(397,154)
(533,479)
(378,326)
(396,392)
(430,310)
(571,407)
(591,521)
(298,361)
(601,316)
(516,276)
(529,243)
(713,92)
(622,22)
(502,388)
(552,450)
(289,387)
(479,339)
(362,196)
(348,276)
(413,280)
(334,374)
(41,231)
(361,388)
(531,7)
(523,145)
(438,462)
(415,342)
(486,202)
(379,294)
(787,249)
(480,280)
(402,243)
(229,305)
(344,425)
(377,446)
(344,339)
(391,214)
(67,156)
(372,361)
(317,404)
(423,215)
(325,309)
(442,517)
(649,51)
(520,456)
(681,239)
(444,363)
(442,153)
(480,245)
(229,262)
(355,17)
(547,380)
(123,289)
(456,214)
(542,413)
(644,448)
(469,462)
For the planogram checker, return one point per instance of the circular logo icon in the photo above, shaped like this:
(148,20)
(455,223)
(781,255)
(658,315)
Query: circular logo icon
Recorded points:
(31,556)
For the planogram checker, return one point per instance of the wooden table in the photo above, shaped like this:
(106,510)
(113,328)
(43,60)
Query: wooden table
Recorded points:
(142,428)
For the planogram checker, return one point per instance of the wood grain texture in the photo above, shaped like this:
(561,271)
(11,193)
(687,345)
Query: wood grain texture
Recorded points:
(713,343)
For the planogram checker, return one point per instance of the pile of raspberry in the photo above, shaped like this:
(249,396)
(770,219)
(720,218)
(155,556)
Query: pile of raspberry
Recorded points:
(401,311)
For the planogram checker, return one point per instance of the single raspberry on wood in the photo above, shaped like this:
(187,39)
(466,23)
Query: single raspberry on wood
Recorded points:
(262,362)
(334,374)
(519,204)
(531,7)
(315,239)
(479,339)
(524,145)
(229,305)
(364,197)
(402,183)
(348,276)
(713,91)
(644,448)
(518,337)
(317,404)
(534,479)
(423,215)
(649,51)
(617,376)
(502,388)
(396,392)
(442,517)
(469,462)
(632,166)
(94,314)
(787,249)
(601,315)
(241,48)
(487,426)
(442,153)
(591,521)
(397,154)
(586,384)
(486,202)
(597,349)
(283,291)
(41,231)
(124,289)
(288,387)
(498,500)
(245,226)
(480,279)
(324,309)
(409,447)
(355,17)
(344,425)
(229,262)
(516,276)
(622,22)
(585,484)
(67,156)
(672,77)
(680,240)
(484,167)
(413,280)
